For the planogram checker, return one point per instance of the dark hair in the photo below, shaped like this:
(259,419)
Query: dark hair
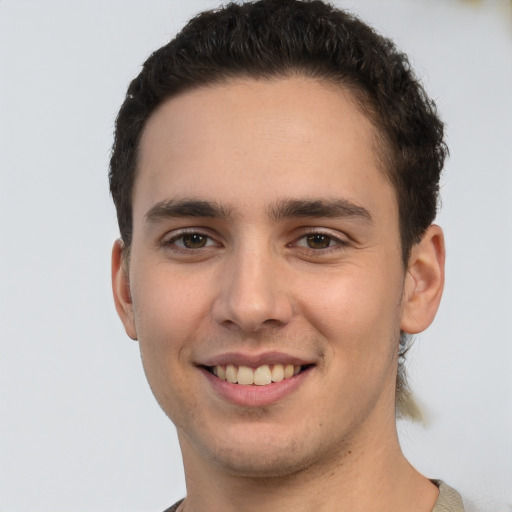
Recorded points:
(277,38)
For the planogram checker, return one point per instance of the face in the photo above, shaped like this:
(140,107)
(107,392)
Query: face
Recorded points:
(265,283)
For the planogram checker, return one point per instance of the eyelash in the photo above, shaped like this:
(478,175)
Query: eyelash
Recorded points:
(335,243)
(171,242)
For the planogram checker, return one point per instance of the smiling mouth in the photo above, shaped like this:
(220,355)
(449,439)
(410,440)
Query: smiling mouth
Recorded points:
(261,376)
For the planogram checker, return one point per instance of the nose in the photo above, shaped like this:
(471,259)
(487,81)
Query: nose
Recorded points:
(253,294)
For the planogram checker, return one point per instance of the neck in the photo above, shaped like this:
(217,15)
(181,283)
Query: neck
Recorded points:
(368,474)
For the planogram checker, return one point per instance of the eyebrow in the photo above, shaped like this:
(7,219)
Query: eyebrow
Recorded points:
(283,209)
(185,208)
(329,208)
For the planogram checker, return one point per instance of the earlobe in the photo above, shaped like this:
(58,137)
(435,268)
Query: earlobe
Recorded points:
(424,281)
(121,290)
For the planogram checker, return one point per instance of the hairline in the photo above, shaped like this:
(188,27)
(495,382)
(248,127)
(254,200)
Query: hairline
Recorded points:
(381,145)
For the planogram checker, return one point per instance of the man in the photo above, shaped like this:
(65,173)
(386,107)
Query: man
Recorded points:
(275,172)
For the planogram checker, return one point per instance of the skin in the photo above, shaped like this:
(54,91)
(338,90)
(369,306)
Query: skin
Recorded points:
(327,287)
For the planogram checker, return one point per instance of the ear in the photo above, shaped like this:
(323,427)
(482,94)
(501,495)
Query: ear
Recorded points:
(424,281)
(121,289)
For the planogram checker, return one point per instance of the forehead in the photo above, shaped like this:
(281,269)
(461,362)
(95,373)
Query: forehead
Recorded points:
(252,139)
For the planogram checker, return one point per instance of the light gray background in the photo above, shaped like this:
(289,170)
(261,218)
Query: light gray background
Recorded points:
(79,429)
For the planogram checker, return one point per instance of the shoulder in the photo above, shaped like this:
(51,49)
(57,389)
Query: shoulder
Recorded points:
(449,500)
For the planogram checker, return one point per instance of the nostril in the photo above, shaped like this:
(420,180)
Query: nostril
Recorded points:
(272,321)
(232,326)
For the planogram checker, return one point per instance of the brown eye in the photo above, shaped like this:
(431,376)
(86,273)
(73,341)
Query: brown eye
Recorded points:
(194,241)
(318,241)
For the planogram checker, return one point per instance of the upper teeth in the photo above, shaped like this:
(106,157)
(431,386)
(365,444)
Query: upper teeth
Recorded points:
(261,376)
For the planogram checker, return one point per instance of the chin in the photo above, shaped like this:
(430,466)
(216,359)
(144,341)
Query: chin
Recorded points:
(265,456)
(262,464)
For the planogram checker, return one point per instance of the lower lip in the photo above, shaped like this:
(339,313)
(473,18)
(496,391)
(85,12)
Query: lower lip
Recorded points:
(252,395)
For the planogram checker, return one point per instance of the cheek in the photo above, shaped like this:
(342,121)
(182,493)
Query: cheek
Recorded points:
(355,299)
(358,313)
(168,311)
(165,300)
(168,314)
(360,321)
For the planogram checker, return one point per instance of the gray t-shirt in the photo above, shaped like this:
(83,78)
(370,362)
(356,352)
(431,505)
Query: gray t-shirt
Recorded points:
(449,499)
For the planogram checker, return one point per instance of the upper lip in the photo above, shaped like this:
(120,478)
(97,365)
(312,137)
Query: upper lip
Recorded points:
(254,360)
